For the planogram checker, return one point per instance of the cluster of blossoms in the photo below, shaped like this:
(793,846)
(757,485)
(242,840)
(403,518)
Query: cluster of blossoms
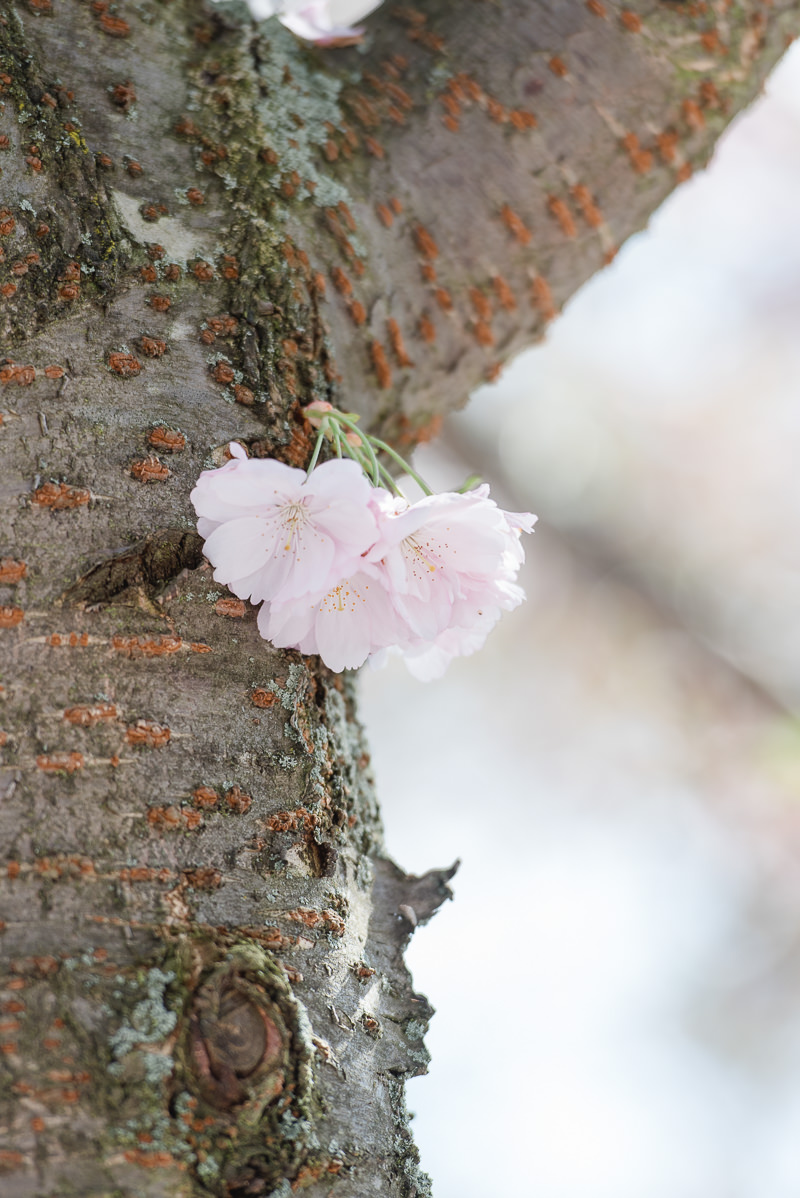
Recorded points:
(349,569)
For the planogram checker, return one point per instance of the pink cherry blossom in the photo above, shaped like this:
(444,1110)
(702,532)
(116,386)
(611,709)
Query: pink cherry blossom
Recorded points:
(272,533)
(344,626)
(428,661)
(473,619)
(348,571)
(445,558)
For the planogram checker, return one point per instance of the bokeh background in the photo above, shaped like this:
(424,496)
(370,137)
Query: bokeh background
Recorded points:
(618,979)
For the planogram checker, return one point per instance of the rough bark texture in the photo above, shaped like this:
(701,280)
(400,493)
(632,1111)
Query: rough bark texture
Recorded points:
(204,225)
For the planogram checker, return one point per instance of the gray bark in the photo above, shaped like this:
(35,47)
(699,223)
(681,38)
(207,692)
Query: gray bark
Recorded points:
(204,226)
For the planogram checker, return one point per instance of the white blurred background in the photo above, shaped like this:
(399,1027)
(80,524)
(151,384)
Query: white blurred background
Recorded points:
(618,980)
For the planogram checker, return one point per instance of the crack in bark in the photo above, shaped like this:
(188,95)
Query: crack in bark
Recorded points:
(148,565)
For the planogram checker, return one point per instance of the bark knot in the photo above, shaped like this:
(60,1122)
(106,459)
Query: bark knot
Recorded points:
(236,1036)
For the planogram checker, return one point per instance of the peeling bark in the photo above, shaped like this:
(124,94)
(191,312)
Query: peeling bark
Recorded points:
(204,225)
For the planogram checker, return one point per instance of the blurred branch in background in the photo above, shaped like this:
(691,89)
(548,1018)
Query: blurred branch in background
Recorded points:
(661,422)
(631,1030)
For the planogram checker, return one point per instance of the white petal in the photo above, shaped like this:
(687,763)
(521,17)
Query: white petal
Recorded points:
(339,502)
(259,482)
(206,527)
(313,557)
(339,477)
(287,624)
(344,622)
(240,549)
(313,21)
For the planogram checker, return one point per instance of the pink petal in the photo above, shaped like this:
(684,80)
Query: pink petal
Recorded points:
(521,521)
(340,503)
(238,548)
(430,662)
(346,624)
(353,620)
(243,486)
(287,624)
(206,527)
(257,482)
(313,557)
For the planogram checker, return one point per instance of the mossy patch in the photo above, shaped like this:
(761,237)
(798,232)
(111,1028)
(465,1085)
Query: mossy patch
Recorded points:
(68,241)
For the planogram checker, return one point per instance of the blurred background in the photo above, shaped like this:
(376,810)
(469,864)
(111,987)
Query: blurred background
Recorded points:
(618,979)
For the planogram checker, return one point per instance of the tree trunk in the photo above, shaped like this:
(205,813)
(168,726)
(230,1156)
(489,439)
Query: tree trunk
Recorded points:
(204,225)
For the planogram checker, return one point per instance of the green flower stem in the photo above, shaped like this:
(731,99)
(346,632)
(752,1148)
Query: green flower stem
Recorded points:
(317,448)
(336,437)
(387,478)
(332,426)
(396,457)
(365,445)
(352,452)
(471,482)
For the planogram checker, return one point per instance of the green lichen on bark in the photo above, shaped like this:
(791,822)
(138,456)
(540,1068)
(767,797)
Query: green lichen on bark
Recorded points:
(280,352)
(62,215)
(190,1083)
(415,1183)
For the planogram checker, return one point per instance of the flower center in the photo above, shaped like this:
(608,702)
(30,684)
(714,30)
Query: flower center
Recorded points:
(418,560)
(345,596)
(294,516)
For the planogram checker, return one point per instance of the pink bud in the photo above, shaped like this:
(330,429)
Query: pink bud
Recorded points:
(316,405)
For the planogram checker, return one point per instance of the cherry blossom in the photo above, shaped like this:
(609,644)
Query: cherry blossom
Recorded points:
(446,556)
(344,626)
(473,619)
(349,570)
(273,533)
(429,660)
